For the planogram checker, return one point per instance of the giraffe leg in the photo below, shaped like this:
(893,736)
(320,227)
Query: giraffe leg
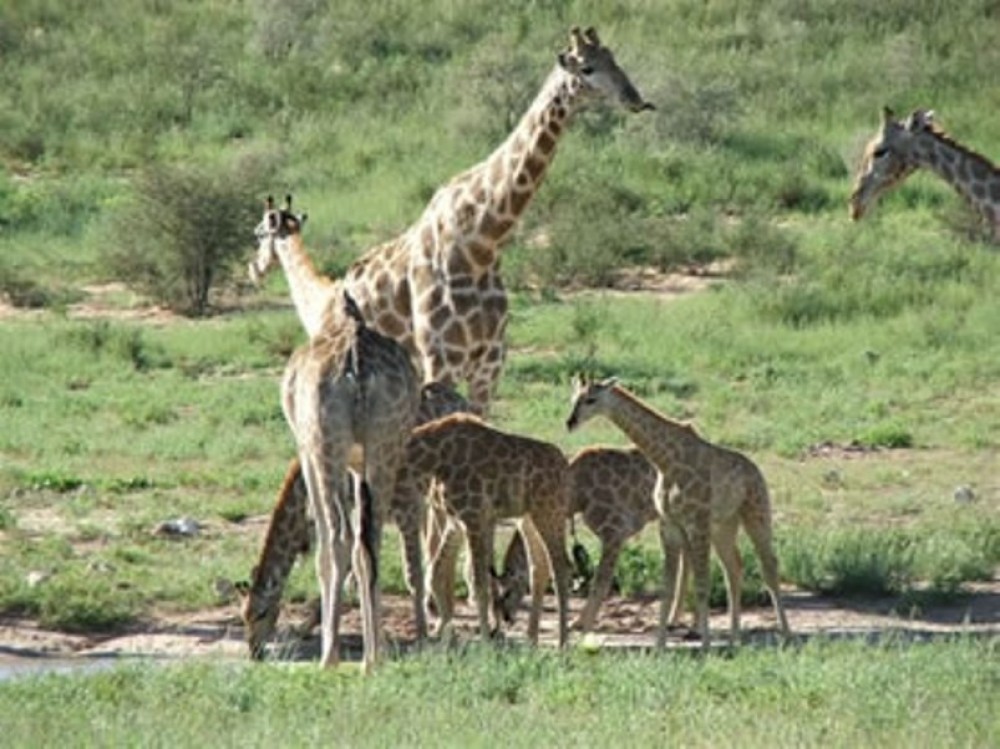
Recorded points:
(610,550)
(672,542)
(724,541)
(553,535)
(441,574)
(672,539)
(480,546)
(758,528)
(698,552)
(486,376)
(538,573)
(413,568)
(332,561)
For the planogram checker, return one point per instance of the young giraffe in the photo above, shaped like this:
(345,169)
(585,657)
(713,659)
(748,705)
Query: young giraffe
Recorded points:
(290,533)
(436,288)
(484,475)
(903,146)
(703,492)
(350,396)
(613,490)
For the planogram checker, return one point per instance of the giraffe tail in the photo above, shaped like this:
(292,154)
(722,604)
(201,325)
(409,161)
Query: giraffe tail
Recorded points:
(366,526)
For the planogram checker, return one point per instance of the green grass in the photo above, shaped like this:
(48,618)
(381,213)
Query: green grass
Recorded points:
(822,694)
(826,334)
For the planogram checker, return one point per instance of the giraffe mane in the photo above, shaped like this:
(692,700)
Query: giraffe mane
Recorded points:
(685,425)
(285,495)
(938,133)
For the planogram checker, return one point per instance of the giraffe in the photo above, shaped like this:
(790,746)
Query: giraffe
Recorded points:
(436,287)
(703,492)
(484,475)
(350,396)
(290,534)
(902,146)
(613,490)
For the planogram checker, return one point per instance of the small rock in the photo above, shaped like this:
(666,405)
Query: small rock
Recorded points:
(178,528)
(36,578)
(964,494)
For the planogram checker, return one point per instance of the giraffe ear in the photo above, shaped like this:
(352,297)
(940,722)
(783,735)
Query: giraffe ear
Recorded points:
(269,203)
(576,39)
(590,35)
(921,119)
(288,203)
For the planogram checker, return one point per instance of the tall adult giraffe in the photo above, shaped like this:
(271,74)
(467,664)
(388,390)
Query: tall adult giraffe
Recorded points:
(350,396)
(436,288)
(902,146)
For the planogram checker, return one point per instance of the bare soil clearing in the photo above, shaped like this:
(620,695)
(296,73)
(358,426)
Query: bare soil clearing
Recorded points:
(624,623)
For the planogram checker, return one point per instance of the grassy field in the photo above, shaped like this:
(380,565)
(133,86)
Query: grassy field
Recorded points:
(857,363)
(826,694)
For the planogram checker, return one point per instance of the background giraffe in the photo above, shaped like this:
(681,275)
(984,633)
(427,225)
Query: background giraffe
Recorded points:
(290,533)
(703,492)
(350,396)
(436,288)
(279,241)
(902,146)
(484,475)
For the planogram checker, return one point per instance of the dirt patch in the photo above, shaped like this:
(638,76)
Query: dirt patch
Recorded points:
(624,623)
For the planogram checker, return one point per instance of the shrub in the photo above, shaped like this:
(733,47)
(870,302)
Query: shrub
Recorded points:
(176,239)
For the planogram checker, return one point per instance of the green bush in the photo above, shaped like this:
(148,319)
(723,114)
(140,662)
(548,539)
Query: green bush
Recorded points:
(178,237)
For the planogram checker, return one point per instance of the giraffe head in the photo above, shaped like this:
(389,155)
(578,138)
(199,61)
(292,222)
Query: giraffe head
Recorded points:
(590,398)
(596,74)
(888,158)
(259,606)
(277,226)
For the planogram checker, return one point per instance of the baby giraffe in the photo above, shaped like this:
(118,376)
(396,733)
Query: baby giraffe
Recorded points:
(612,490)
(290,534)
(484,475)
(350,396)
(703,493)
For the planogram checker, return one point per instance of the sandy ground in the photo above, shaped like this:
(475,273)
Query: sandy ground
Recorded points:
(624,623)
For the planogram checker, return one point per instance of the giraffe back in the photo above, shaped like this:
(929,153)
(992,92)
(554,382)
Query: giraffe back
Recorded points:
(472,461)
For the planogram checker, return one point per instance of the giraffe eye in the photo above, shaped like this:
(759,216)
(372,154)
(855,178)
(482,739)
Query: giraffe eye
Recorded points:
(587,69)
(878,153)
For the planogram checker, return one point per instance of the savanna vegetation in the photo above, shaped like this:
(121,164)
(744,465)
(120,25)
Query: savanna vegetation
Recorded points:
(137,140)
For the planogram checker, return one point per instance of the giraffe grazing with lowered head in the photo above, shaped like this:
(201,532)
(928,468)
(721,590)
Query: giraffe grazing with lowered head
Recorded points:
(350,396)
(290,534)
(484,475)
(436,288)
(902,146)
(703,493)
(613,491)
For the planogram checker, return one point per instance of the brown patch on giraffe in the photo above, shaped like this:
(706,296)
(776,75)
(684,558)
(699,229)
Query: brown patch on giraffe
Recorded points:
(995,191)
(459,264)
(518,200)
(546,142)
(979,190)
(979,169)
(491,227)
(440,317)
(535,167)
(391,325)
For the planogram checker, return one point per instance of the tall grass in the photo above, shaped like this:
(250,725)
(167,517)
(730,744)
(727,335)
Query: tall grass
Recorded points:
(822,694)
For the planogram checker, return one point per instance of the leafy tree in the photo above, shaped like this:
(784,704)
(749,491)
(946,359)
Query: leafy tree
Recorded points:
(177,236)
